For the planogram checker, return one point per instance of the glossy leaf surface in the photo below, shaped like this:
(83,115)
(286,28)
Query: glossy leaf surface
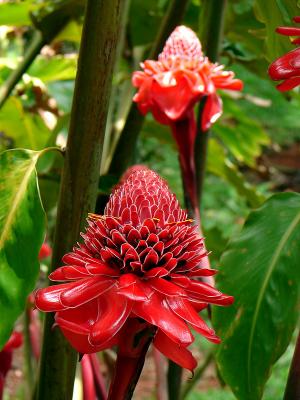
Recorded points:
(22,225)
(261,270)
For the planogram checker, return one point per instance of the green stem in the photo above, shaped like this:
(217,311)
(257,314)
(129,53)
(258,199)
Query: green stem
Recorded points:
(80,173)
(115,91)
(292,390)
(174,380)
(210,32)
(33,50)
(124,154)
(198,374)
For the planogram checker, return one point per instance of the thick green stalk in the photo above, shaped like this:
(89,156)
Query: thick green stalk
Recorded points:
(124,154)
(292,390)
(210,32)
(174,377)
(80,173)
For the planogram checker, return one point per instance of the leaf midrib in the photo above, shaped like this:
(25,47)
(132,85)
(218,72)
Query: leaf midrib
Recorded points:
(16,201)
(272,265)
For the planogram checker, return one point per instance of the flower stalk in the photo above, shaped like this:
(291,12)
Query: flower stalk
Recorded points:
(124,154)
(80,173)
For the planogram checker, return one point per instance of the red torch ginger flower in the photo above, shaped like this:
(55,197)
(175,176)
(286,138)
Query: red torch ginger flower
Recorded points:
(6,355)
(170,88)
(138,267)
(287,67)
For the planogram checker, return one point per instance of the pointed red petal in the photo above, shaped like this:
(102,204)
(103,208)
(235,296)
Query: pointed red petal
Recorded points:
(156,312)
(111,319)
(180,355)
(69,272)
(185,310)
(212,111)
(166,287)
(48,299)
(84,290)
(288,30)
(131,287)
(289,84)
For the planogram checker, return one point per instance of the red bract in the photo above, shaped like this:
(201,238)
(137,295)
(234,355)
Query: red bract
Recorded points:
(45,251)
(6,355)
(170,88)
(136,271)
(287,67)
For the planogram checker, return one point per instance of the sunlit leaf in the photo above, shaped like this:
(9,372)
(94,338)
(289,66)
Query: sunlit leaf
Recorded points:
(25,129)
(17,13)
(54,69)
(22,228)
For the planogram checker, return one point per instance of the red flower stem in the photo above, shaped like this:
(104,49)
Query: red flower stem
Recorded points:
(89,392)
(98,377)
(127,373)
(124,154)
(210,32)
(292,390)
(80,175)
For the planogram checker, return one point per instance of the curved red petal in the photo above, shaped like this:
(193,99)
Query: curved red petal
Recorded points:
(178,88)
(185,310)
(84,290)
(166,287)
(69,272)
(289,84)
(180,355)
(156,312)
(286,66)
(212,111)
(48,299)
(111,319)
(288,30)
(131,287)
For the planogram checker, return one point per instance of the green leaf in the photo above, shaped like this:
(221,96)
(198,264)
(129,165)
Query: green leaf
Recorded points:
(274,14)
(25,129)
(261,270)
(242,136)
(16,14)
(54,69)
(219,164)
(262,101)
(22,227)
(144,21)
